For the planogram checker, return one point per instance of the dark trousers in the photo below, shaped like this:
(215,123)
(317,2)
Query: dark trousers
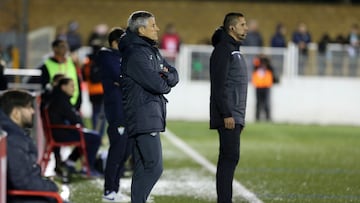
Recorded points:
(148,168)
(229,156)
(98,119)
(92,142)
(263,103)
(119,151)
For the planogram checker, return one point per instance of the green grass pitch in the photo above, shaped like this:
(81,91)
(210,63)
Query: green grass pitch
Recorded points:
(279,163)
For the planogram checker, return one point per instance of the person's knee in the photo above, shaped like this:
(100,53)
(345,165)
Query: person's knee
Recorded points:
(231,157)
(153,167)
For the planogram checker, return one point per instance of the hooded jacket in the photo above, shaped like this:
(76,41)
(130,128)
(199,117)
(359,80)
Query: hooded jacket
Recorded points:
(110,62)
(143,84)
(229,80)
(23,172)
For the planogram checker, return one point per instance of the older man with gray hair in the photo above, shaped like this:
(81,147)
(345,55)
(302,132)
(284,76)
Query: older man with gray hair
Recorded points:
(145,78)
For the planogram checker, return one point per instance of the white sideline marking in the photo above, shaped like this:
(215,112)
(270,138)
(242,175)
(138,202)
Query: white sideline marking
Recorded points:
(251,197)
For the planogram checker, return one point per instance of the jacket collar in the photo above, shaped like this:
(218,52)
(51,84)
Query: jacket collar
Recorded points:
(9,126)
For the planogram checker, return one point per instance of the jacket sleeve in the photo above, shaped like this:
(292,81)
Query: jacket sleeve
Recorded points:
(70,113)
(219,70)
(108,64)
(172,77)
(141,70)
(23,172)
(45,77)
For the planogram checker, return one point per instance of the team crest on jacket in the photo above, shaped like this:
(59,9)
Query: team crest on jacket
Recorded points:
(121,130)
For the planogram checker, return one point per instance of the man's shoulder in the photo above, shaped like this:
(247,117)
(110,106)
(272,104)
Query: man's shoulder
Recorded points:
(224,47)
(16,138)
(137,51)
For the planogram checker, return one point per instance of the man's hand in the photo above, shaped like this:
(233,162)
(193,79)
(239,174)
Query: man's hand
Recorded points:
(165,69)
(164,72)
(229,123)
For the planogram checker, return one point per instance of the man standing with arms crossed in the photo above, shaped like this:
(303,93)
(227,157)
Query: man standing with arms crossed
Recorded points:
(229,82)
(146,77)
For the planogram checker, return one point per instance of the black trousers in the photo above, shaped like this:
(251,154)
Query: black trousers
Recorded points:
(92,142)
(229,155)
(263,103)
(119,151)
(148,168)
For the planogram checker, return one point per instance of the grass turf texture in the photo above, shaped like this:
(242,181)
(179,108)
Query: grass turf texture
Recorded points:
(279,163)
(289,163)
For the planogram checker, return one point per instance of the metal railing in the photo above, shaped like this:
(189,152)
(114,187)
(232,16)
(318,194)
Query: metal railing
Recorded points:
(192,61)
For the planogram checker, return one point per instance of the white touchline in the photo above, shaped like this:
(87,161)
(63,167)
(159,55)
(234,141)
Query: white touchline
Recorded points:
(248,195)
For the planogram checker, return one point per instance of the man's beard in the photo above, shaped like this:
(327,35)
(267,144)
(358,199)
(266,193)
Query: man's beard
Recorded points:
(28,125)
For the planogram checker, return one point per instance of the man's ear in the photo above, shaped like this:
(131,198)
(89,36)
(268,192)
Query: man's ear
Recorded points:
(141,30)
(114,44)
(15,114)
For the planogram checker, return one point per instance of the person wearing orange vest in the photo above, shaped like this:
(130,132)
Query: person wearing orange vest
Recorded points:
(262,79)
(92,76)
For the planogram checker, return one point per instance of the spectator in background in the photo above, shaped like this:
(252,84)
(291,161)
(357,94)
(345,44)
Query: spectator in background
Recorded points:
(253,37)
(73,37)
(61,63)
(301,37)
(146,77)
(229,83)
(279,39)
(62,112)
(98,35)
(92,76)
(353,40)
(61,33)
(340,39)
(322,50)
(324,41)
(263,78)
(170,41)
(23,173)
(109,60)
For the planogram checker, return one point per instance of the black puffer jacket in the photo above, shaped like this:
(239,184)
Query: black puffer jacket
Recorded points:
(143,84)
(229,80)
(23,172)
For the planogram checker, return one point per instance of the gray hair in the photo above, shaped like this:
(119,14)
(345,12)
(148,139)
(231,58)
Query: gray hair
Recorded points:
(138,19)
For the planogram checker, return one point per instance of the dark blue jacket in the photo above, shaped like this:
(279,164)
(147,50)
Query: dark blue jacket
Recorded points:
(110,62)
(62,112)
(23,172)
(278,40)
(143,84)
(229,81)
